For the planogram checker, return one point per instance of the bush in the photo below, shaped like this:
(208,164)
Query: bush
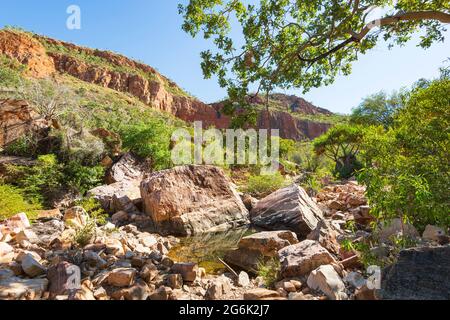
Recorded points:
(263,185)
(12,202)
(94,208)
(83,178)
(151,140)
(269,270)
(408,170)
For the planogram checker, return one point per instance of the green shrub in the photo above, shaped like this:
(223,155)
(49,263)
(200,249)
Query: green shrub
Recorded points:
(83,178)
(151,140)
(41,180)
(408,167)
(25,146)
(12,202)
(94,209)
(263,185)
(86,234)
(269,270)
(10,72)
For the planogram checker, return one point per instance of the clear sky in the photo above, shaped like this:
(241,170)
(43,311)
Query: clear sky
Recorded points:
(150,30)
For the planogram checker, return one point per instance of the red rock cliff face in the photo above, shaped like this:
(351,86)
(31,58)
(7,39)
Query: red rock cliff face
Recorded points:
(146,83)
(291,127)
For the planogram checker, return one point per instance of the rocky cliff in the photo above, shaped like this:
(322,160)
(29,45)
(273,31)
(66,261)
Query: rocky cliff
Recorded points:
(44,57)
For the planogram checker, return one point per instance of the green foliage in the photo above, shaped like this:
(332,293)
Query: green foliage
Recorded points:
(82,178)
(302,44)
(263,185)
(378,109)
(408,172)
(10,72)
(12,202)
(150,139)
(86,234)
(341,144)
(24,146)
(41,180)
(269,270)
(48,177)
(94,208)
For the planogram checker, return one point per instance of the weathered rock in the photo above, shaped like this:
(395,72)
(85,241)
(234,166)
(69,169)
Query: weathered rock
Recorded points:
(192,199)
(14,288)
(396,227)
(243,279)
(175,281)
(249,201)
(47,231)
(76,217)
(63,277)
(433,233)
(326,280)
(32,267)
(49,214)
(421,273)
(121,277)
(188,271)
(5,249)
(100,294)
(149,272)
(326,234)
(259,246)
(260,293)
(119,196)
(218,288)
(129,167)
(119,217)
(14,224)
(162,293)
(289,208)
(300,259)
(139,291)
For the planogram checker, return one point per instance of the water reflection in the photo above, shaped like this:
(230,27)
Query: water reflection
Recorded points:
(205,249)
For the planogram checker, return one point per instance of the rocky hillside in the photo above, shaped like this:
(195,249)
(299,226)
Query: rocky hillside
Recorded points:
(45,57)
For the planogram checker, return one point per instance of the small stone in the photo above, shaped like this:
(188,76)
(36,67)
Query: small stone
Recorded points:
(243,279)
(296,296)
(32,267)
(218,288)
(16,288)
(167,262)
(175,281)
(121,277)
(119,216)
(75,217)
(149,272)
(201,273)
(162,293)
(433,233)
(100,294)
(139,291)
(5,249)
(260,293)
(326,280)
(26,235)
(187,270)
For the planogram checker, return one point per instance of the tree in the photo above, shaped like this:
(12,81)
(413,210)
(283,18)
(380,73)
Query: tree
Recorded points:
(410,172)
(341,144)
(378,109)
(303,44)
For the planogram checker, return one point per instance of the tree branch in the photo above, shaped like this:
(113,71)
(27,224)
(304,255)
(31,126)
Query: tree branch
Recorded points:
(404,16)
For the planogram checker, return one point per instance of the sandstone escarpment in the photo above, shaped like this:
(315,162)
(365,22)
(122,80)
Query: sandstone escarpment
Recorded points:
(44,57)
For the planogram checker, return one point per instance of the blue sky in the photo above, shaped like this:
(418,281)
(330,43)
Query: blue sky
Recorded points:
(150,30)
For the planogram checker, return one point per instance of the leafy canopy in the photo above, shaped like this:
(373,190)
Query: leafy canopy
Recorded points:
(410,165)
(302,43)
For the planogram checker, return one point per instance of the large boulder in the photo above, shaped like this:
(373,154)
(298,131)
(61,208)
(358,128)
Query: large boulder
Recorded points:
(289,208)
(192,199)
(302,258)
(259,247)
(127,168)
(119,196)
(419,274)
